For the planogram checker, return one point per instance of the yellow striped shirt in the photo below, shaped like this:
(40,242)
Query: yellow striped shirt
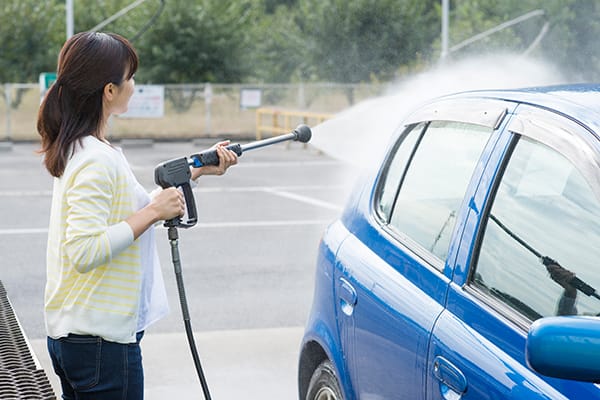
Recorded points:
(93,264)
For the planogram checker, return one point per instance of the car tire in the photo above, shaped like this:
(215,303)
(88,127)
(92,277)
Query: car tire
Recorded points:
(324,384)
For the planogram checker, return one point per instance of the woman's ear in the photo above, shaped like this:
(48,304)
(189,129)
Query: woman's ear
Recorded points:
(109,91)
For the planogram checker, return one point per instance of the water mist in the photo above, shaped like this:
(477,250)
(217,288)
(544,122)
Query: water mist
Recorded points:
(361,134)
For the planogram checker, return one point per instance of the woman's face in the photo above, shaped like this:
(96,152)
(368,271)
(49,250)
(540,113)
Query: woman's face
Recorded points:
(116,97)
(123,93)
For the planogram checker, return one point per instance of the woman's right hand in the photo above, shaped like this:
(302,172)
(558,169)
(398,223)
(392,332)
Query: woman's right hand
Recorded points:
(167,204)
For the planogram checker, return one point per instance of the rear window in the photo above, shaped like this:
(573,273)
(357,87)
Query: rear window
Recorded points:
(428,176)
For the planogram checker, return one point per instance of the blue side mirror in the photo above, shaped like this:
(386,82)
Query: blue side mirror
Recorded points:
(565,347)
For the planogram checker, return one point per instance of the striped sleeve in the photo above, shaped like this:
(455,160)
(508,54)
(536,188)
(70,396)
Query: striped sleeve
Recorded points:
(90,240)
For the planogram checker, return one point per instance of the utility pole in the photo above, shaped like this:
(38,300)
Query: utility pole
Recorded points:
(445,12)
(70,18)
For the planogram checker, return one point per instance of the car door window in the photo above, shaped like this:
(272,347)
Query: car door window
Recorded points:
(395,170)
(435,181)
(543,210)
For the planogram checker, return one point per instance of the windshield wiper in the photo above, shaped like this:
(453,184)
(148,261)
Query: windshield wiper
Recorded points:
(547,261)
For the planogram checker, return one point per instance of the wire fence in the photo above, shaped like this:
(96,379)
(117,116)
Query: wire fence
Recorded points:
(193,110)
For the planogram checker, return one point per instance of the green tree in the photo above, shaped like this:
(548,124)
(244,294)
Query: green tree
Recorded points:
(278,51)
(470,17)
(357,41)
(573,39)
(90,14)
(297,40)
(197,41)
(31,33)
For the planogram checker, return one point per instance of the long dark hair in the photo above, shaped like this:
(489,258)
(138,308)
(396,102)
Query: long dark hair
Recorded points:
(72,107)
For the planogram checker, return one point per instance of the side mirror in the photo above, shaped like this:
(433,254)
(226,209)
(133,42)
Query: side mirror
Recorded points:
(565,347)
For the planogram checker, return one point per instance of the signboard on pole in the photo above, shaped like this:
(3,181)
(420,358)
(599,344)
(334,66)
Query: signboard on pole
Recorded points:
(250,98)
(46,80)
(148,101)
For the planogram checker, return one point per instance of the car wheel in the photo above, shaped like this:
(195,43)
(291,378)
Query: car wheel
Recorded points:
(324,384)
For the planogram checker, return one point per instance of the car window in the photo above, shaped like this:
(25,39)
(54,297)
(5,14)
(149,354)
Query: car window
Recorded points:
(435,181)
(543,227)
(395,169)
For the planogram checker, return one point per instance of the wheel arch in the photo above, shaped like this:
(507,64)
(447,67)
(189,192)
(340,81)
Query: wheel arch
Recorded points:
(311,356)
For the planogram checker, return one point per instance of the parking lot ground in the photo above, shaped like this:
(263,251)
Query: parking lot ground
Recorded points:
(238,364)
(248,264)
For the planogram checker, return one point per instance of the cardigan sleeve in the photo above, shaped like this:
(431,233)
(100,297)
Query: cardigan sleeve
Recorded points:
(90,240)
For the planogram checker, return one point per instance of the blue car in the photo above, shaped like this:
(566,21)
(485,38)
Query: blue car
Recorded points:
(482,220)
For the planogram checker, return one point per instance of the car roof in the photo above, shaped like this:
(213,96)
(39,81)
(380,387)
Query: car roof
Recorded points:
(579,102)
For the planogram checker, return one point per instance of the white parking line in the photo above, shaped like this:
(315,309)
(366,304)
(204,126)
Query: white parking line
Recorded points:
(23,231)
(25,193)
(246,224)
(304,199)
(266,164)
(36,193)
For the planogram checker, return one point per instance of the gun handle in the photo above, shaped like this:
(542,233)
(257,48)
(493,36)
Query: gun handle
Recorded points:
(190,204)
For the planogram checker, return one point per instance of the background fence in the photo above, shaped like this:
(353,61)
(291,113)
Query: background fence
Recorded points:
(192,110)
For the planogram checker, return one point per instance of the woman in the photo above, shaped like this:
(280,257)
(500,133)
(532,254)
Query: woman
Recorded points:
(104,284)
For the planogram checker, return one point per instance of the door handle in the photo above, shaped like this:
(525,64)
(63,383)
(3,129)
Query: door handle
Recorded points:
(452,381)
(348,297)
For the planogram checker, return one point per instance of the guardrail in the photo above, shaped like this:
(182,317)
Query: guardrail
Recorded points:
(284,121)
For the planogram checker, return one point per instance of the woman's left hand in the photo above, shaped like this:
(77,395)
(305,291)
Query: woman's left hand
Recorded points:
(227,158)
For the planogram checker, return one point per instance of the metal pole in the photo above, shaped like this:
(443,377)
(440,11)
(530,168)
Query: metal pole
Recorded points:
(208,95)
(116,15)
(7,95)
(445,12)
(504,25)
(70,18)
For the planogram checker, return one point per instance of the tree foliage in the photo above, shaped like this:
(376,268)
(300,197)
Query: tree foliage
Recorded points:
(29,35)
(198,42)
(298,40)
(355,41)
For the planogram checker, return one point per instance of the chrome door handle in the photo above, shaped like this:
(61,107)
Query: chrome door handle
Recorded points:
(348,297)
(452,381)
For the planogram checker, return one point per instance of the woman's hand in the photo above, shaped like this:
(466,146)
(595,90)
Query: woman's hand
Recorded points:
(227,158)
(166,204)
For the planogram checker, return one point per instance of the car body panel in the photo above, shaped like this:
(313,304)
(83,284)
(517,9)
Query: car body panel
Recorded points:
(400,323)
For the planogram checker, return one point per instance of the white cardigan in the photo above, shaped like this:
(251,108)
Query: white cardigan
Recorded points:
(95,270)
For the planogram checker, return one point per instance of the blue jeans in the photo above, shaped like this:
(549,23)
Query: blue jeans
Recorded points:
(90,367)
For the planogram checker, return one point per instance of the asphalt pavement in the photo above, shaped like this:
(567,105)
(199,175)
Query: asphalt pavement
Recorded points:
(248,265)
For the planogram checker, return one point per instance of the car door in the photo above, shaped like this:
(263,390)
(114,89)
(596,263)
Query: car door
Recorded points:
(392,276)
(534,216)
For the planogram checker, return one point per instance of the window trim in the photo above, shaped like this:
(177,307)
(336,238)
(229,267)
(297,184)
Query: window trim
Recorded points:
(382,178)
(572,146)
(485,112)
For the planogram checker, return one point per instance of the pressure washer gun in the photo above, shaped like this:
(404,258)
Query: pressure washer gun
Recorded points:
(176,172)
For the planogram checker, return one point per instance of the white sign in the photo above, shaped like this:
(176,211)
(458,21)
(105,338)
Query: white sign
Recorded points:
(148,101)
(250,98)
